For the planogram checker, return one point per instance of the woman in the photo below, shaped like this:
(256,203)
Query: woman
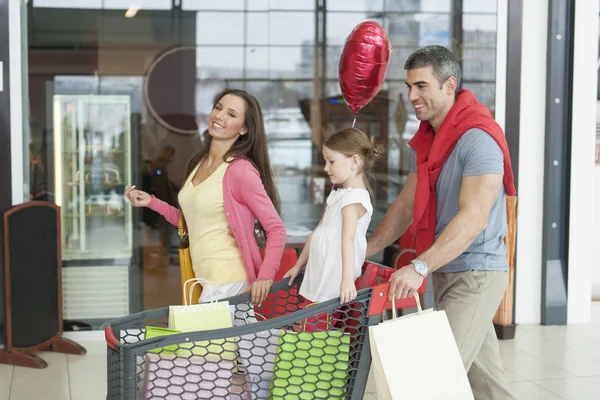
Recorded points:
(229,184)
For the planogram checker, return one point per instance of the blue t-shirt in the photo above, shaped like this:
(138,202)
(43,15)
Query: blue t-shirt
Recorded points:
(476,153)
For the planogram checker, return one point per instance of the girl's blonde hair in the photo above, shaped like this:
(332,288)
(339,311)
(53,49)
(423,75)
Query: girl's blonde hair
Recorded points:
(351,141)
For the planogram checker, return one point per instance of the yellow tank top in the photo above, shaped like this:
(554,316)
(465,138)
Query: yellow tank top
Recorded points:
(213,249)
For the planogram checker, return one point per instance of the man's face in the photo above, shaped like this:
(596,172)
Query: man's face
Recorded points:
(429,97)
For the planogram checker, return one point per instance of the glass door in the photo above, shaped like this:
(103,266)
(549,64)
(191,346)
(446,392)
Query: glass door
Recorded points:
(92,170)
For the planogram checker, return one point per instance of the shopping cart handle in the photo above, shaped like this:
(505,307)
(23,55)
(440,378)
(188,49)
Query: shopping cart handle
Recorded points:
(111,339)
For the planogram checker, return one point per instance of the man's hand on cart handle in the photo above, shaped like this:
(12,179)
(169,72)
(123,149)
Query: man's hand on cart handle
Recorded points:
(405,282)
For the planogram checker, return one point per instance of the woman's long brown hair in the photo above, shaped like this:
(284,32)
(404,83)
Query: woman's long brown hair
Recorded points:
(252,146)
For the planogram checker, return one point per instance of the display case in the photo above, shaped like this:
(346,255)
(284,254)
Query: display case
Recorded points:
(92,169)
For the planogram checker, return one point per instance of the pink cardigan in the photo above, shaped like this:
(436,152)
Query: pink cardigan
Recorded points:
(244,200)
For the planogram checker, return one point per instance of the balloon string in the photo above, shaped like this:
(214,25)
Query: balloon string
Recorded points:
(353,122)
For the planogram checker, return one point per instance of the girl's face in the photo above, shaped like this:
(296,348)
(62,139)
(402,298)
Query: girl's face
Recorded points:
(339,167)
(227,118)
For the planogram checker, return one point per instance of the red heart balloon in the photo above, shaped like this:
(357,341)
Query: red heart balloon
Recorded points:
(364,64)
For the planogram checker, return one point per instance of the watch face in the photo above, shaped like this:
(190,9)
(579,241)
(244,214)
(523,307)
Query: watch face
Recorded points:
(420,267)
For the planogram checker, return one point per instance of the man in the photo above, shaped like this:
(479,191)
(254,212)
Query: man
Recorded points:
(455,199)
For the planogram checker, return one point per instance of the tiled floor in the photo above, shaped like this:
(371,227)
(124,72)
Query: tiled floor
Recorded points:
(542,363)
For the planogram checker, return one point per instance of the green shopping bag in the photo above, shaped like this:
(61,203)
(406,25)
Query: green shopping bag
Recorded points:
(311,365)
(152,332)
(204,317)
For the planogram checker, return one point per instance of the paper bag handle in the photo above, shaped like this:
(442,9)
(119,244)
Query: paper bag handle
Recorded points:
(394,316)
(195,281)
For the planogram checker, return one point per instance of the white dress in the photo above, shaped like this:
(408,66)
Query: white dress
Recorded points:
(323,275)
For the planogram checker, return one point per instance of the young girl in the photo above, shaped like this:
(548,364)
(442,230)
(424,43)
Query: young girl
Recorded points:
(228,186)
(336,249)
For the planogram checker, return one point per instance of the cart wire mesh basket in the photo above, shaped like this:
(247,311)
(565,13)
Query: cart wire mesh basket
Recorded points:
(285,349)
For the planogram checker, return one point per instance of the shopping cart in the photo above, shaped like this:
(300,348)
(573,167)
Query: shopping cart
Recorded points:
(299,352)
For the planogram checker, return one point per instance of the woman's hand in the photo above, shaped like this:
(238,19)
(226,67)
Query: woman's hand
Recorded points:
(347,291)
(260,290)
(138,198)
(293,273)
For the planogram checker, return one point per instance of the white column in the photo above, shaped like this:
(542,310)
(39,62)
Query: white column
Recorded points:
(583,141)
(16,101)
(530,192)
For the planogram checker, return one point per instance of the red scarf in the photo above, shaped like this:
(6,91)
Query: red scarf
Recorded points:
(433,150)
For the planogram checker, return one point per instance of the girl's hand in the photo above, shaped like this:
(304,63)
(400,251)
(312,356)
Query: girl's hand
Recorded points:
(347,291)
(260,291)
(138,198)
(292,274)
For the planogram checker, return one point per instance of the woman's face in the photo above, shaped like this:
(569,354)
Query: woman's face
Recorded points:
(227,118)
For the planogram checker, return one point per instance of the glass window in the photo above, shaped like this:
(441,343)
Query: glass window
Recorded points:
(257,30)
(334,53)
(406,30)
(340,25)
(478,63)
(260,5)
(291,28)
(257,62)
(399,56)
(288,62)
(419,6)
(355,5)
(219,28)
(479,30)
(484,92)
(220,62)
(212,5)
(143,5)
(480,6)
(67,3)
(403,30)
(292,5)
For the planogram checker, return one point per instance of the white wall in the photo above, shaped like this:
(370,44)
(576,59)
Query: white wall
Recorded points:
(596,237)
(583,141)
(530,192)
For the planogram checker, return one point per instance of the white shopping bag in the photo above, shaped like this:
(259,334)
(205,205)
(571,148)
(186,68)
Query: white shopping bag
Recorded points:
(416,357)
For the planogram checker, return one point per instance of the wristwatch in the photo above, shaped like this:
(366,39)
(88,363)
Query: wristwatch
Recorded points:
(420,267)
